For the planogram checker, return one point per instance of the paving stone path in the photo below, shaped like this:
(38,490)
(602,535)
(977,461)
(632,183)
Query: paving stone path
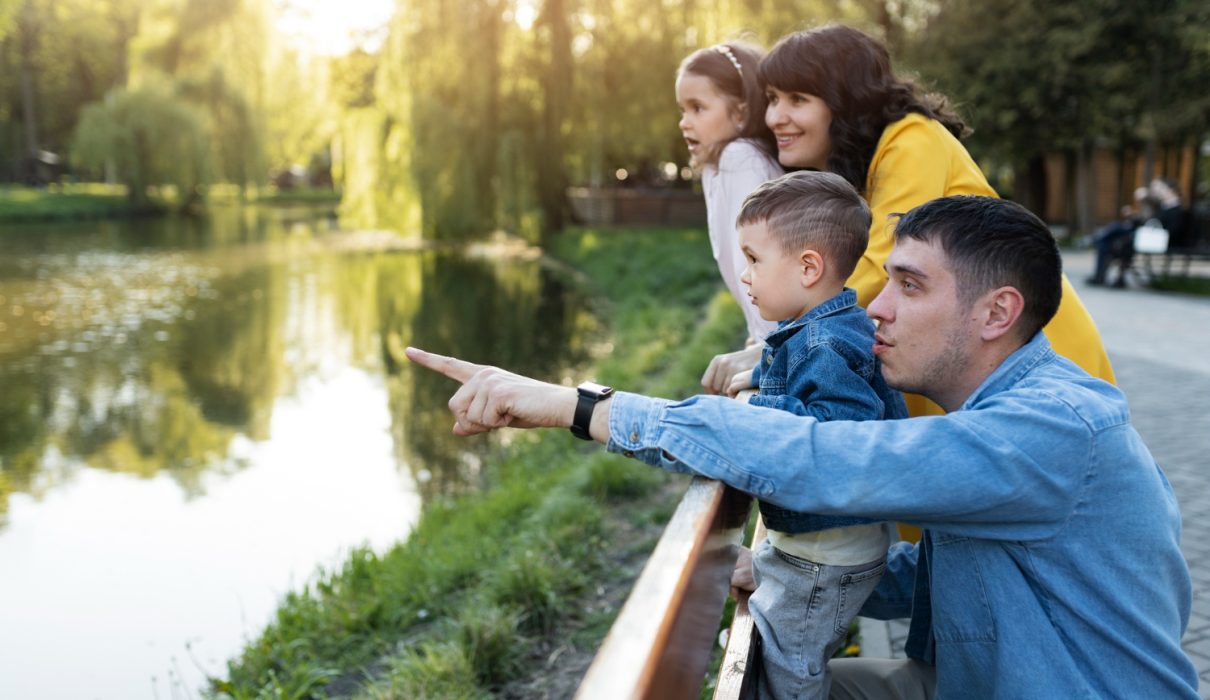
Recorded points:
(1159,344)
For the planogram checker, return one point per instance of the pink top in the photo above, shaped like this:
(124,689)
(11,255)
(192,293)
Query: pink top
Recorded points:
(742,167)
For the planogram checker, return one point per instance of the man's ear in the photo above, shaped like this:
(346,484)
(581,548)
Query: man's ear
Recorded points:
(813,267)
(1004,307)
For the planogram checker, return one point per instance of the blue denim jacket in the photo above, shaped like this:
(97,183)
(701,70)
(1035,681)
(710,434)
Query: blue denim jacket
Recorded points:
(822,365)
(1050,566)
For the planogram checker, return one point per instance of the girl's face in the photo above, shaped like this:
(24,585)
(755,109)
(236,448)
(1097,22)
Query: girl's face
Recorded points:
(800,122)
(707,117)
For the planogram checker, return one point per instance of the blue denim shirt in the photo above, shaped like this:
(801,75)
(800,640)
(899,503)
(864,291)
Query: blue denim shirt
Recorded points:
(1050,566)
(823,365)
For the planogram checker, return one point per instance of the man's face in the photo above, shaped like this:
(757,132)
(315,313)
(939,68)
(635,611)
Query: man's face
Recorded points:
(926,336)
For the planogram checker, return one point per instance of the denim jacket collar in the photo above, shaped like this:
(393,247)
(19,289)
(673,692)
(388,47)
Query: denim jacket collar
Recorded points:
(1014,367)
(845,299)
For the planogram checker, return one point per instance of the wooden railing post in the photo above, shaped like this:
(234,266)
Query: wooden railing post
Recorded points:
(660,645)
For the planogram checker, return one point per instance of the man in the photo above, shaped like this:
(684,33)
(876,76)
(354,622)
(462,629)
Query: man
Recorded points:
(1050,562)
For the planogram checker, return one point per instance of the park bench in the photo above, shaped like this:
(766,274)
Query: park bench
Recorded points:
(1186,246)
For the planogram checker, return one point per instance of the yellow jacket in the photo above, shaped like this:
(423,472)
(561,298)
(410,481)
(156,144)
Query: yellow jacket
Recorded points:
(917,159)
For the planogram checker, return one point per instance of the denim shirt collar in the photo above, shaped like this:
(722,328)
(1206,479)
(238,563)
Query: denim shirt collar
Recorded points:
(845,299)
(1014,367)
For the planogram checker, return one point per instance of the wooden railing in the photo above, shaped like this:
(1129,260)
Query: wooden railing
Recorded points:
(660,645)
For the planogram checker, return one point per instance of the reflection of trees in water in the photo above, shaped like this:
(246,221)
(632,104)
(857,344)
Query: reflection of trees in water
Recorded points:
(517,315)
(169,398)
(231,354)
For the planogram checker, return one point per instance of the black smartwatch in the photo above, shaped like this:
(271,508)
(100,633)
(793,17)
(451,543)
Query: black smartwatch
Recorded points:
(591,394)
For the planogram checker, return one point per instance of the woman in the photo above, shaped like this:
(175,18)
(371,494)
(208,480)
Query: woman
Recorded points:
(835,104)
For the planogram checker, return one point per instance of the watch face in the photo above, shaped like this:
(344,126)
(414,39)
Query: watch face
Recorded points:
(595,390)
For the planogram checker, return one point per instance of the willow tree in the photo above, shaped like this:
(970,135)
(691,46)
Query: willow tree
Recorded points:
(151,136)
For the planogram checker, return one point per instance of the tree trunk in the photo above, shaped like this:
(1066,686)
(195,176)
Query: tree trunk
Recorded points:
(1085,190)
(28,30)
(1029,184)
(556,88)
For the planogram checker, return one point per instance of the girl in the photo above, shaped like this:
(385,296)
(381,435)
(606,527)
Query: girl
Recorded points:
(722,108)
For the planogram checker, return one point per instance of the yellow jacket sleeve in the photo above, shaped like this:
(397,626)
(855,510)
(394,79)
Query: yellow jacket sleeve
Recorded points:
(916,160)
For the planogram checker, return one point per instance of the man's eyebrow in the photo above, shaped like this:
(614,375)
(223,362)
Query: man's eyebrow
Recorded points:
(905,270)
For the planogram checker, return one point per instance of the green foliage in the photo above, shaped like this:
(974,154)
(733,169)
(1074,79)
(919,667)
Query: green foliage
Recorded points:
(432,670)
(151,136)
(488,635)
(484,579)
(59,203)
(1047,77)
(610,479)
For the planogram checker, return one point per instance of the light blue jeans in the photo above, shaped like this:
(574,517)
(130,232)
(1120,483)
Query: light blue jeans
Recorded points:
(802,611)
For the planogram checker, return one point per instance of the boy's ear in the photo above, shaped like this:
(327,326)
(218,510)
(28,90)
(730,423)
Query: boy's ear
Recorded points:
(813,267)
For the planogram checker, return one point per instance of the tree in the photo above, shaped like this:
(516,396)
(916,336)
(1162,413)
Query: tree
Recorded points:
(152,137)
(1050,77)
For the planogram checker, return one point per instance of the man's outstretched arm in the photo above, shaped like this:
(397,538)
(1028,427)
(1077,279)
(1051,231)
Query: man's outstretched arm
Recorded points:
(492,398)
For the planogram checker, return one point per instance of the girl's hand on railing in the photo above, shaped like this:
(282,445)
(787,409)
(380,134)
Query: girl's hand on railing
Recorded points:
(723,368)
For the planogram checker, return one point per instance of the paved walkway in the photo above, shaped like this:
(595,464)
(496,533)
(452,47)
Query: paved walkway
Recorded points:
(1160,348)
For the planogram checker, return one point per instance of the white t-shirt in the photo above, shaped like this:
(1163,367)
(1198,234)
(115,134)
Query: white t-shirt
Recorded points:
(742,167)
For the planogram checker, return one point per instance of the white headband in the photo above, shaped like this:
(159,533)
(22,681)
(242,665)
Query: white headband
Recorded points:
(726,51)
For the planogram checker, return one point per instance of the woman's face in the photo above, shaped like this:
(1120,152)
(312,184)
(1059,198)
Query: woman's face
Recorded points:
(800,122)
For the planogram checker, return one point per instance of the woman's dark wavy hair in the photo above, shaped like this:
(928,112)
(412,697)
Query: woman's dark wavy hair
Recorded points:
(851,72)
(740,87)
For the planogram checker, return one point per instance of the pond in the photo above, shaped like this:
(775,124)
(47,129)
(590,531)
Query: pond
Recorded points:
(196,415)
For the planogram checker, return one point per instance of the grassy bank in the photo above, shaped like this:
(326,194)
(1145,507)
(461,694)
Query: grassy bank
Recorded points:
(82,201)
(64,202)
(508,592)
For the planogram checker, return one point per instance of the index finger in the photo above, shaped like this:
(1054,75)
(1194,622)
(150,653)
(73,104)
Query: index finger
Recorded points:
(452,367)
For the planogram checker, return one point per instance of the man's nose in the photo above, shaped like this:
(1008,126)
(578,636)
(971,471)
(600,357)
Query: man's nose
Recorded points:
(880,308)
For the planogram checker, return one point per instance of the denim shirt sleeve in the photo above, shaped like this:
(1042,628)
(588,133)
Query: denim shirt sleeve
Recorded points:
(821,384)
(1013,469)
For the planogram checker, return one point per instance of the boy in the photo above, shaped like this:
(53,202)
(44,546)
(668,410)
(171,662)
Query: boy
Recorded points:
(803,234)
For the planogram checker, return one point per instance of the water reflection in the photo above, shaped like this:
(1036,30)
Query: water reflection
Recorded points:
(230,397)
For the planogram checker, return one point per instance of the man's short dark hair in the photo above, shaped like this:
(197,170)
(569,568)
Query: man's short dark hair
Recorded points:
(809,209)
(993,243)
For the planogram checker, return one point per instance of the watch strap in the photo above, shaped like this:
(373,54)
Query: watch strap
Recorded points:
(590,394)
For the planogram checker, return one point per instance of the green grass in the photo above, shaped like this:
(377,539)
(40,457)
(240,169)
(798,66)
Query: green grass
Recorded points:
(488,582)
(63,202)
(77,201)
(1186,285)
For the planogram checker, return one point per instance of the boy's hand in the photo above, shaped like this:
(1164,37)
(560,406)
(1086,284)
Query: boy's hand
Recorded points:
(739,382)
(741,578)
(723,368)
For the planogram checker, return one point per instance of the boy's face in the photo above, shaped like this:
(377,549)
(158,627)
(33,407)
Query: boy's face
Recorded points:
(774,277)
